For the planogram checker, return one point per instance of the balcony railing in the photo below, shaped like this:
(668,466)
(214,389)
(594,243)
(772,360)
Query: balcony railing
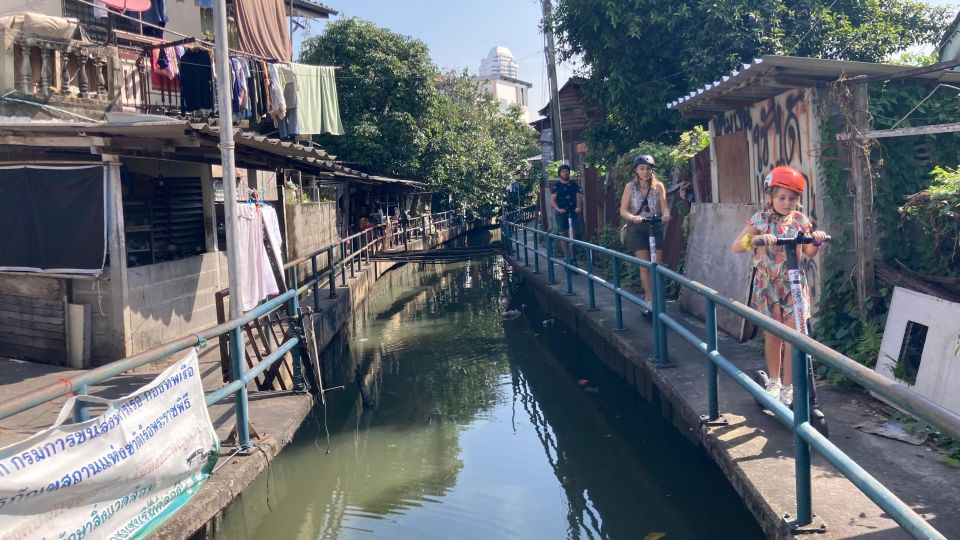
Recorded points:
(47,68)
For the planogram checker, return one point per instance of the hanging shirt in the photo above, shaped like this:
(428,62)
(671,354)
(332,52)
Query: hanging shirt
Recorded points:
(196,80)
(278,105)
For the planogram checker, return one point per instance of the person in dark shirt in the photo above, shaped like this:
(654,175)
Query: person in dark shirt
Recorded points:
(566,202)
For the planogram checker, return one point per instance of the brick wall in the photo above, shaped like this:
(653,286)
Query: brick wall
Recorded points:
(171,299)
(310,226)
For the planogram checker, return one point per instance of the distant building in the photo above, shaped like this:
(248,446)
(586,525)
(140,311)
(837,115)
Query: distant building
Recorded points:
(498,76)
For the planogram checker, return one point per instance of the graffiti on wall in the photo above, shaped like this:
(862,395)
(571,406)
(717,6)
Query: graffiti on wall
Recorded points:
(779,133)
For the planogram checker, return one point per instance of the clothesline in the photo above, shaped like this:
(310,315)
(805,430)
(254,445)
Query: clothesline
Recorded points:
(174,32)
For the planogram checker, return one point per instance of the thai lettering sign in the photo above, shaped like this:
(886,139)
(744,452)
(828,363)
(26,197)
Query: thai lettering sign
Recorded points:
(119,475)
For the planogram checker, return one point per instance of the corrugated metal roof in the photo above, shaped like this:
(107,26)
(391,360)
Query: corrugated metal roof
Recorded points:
(771,75)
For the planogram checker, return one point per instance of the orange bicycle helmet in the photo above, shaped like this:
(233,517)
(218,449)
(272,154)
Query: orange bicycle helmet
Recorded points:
(786,177)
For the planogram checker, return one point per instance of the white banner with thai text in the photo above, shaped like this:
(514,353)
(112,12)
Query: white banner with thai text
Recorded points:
(117,476)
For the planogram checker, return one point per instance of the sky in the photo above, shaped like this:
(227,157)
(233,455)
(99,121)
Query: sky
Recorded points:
(460,33)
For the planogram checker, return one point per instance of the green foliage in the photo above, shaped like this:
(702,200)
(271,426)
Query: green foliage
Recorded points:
(923,237)
(935,214)
(472,150)
(402,117)
(691,143)
(384,88)
(913,58)
(643,54)
(553,170)
(933,435)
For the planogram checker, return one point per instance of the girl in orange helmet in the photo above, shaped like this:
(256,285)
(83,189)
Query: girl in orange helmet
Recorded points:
(782,218)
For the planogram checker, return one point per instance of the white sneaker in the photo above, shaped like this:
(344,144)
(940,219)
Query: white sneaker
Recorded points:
(786,395)
(773,388)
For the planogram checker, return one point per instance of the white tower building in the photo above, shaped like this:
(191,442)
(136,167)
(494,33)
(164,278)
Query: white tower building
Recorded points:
(499,73)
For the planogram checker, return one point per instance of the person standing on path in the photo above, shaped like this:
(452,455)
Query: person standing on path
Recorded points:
(566,202)
(781,217)
(644,197)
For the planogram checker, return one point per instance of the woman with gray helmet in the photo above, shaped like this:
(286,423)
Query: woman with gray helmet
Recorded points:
(643,198)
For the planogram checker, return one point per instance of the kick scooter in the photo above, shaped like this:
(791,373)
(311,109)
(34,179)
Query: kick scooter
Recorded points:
(654,222)
(817,419)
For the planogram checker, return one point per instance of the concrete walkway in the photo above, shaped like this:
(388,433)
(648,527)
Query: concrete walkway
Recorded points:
(755,451)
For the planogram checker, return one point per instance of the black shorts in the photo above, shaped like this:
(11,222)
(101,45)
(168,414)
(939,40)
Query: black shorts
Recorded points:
(563,222)
(638,237)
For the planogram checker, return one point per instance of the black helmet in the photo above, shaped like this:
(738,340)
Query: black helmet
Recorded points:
(643,159)
(562,167)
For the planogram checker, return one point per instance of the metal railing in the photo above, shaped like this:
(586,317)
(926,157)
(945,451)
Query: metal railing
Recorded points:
(524,243)
(348,253)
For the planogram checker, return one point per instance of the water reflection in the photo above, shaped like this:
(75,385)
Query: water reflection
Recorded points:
(454,423)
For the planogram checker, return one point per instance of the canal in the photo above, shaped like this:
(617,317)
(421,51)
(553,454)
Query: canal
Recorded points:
(454,423)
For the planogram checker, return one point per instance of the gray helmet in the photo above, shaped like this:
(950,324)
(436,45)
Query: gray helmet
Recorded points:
(643,159)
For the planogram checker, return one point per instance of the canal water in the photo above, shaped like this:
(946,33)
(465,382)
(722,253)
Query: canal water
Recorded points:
(454,423)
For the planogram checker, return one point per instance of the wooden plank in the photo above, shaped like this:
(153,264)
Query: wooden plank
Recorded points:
(33,344)
(25,352)
(862,180)
(9,318)
(31,287)
(901,132)
(9,302)
(40,333)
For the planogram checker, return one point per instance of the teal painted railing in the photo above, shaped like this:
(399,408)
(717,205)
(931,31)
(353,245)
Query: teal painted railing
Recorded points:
(524,243)
(350,252)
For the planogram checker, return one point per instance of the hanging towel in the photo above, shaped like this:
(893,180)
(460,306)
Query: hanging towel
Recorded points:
(257,281)
(262,29)
(271,226)
(317,100)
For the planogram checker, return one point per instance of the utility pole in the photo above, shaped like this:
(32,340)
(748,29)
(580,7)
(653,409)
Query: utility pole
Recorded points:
(551,53)
(224,96)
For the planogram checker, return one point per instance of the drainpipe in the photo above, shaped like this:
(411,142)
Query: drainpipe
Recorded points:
(224,87)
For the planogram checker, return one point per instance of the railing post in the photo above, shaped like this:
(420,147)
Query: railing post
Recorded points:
(343,259)
(551,277)
(81,410)
(293,309)
(331,265)
(659,306)
(536,253)
(240,402)
(591,294)
(801,415)
(526,252)
(617,299)
(316,283)
(710,320)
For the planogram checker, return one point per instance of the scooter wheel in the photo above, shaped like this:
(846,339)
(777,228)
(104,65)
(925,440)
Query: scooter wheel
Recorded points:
(760,377)
(819,422)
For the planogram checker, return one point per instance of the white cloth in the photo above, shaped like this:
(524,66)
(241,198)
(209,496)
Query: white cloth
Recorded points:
(271,225)
(278,106)
(257,281)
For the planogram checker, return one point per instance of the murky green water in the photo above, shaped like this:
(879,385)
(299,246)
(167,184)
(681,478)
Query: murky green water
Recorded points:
(455,424)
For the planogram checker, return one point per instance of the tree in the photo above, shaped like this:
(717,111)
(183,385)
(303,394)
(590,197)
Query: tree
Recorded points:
(643,54)
(385,86)
(473,150)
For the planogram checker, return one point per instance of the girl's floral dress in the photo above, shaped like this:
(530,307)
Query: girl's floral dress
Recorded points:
(771,283)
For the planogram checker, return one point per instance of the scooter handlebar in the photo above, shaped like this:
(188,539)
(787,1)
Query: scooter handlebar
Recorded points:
(800,239)
(651,219)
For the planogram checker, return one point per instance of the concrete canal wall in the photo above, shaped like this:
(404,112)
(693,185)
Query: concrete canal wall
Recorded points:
(755,451)
(276,415)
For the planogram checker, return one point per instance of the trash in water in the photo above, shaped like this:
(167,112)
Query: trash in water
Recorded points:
(510,314)
(547,323)
(654,536)
(583,382)
(591,389)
